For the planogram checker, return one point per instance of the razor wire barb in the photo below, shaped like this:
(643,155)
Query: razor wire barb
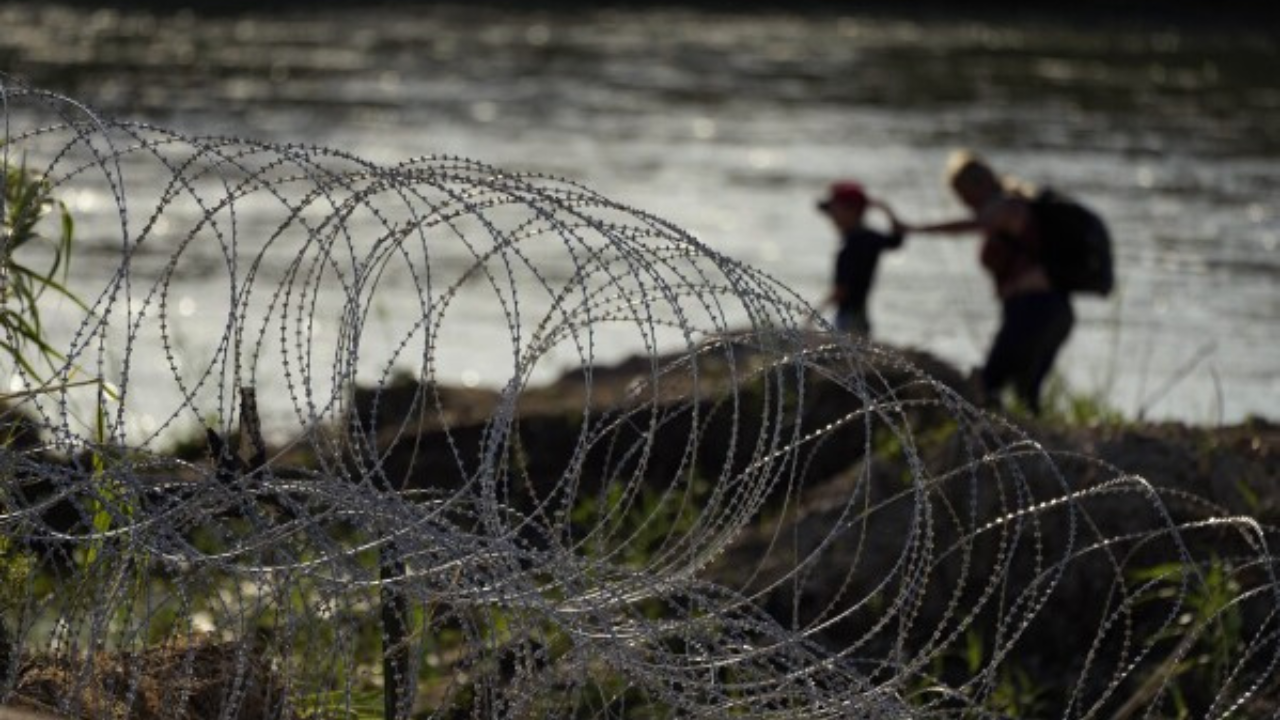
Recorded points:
(288,506)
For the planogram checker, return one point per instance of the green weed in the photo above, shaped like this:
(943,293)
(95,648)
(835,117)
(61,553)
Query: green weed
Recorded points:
(1206,637)
(1061,405)
(342,705)
(27,203)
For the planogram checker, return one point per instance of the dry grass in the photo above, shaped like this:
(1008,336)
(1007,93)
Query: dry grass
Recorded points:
(194,679)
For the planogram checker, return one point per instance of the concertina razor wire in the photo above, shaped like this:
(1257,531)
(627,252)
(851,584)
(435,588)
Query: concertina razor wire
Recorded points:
(245,482)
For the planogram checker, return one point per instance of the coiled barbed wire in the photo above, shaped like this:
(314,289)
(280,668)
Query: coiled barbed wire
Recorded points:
(251,484)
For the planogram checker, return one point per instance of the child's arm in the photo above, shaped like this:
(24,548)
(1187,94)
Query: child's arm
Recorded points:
(897,228)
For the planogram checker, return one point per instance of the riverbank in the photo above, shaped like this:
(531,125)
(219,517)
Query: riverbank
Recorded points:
(868,506)
(964,560)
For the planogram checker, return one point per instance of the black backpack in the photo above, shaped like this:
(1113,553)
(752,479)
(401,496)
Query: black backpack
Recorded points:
(1075,246)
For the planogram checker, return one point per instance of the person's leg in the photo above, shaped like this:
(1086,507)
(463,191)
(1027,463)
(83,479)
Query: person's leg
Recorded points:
(1008,352)
(861,323)
(853,321)
(1053,320)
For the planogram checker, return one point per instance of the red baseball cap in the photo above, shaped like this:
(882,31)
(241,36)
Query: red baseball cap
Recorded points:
(844,191)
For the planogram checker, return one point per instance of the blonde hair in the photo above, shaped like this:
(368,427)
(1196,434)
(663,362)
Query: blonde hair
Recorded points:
(965,167)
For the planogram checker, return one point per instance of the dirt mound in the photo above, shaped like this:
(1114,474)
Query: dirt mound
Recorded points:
(889,558)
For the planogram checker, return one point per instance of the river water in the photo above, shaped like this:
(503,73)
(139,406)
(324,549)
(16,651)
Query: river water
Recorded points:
(731,125)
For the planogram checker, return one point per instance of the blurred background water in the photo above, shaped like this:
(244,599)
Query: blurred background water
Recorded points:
(731,124)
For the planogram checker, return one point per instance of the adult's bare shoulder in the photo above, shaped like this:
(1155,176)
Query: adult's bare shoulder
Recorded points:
(1009,214)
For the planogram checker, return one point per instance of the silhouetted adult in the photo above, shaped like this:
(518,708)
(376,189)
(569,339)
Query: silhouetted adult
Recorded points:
(846,205)
(1036,318)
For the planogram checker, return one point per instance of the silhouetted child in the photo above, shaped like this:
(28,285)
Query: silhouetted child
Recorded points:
(846,205)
